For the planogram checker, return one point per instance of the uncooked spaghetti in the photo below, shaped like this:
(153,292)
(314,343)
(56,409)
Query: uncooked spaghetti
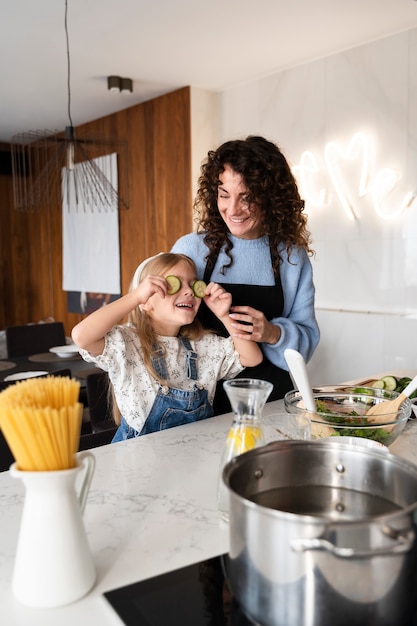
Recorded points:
(41,421)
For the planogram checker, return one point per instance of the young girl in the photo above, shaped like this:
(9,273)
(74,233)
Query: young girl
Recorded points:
(163,366)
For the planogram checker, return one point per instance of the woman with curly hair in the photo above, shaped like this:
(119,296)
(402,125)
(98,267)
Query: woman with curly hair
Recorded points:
(252,238)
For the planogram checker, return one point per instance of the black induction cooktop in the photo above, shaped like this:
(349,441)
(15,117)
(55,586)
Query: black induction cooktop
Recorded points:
(196,595)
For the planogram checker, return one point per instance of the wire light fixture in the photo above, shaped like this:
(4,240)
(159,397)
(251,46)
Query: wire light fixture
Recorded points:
(48,165)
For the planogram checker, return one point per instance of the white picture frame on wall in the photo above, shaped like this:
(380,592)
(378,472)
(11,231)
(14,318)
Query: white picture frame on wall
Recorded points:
(90,238)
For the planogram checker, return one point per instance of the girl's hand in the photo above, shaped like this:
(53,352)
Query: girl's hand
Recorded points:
(218,300)
(89,333)
(256,326)
(149,286)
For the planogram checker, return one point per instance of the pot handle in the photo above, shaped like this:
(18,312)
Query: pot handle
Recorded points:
(404,543)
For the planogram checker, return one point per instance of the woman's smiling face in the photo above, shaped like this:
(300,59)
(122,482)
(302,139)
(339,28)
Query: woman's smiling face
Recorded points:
(241,218)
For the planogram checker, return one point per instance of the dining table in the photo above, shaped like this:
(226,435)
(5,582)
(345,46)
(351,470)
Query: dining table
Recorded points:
(46,362)
(151,509)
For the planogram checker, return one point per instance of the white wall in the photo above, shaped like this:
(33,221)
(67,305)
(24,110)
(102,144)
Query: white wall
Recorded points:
(365,269)
(205,128)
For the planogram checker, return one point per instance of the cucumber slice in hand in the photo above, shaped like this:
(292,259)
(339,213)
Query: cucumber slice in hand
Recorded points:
(199,288)
(174,284)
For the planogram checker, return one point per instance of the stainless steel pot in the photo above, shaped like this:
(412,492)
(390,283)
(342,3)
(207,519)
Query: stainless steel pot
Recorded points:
(323,534)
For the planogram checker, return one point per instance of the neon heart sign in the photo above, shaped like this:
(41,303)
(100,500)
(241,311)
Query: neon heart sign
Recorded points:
(385,181)
(309,165)
(360,152)
(333,154)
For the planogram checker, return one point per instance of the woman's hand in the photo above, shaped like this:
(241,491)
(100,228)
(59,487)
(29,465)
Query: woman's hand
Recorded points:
(255,327)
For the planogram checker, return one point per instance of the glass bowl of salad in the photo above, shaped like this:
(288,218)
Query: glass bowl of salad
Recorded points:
(341,412)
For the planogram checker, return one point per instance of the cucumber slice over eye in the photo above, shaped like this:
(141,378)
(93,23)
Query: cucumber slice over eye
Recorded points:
(174,284)
(199,288)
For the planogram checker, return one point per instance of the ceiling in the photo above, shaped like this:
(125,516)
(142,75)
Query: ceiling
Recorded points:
(163,45)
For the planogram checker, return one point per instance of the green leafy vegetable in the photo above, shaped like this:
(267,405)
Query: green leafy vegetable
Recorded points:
(354,419)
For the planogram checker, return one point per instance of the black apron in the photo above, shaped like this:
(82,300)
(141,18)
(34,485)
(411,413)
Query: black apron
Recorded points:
(269,300)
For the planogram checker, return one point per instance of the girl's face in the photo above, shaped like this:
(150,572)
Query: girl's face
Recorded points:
(242,219)
(170,313)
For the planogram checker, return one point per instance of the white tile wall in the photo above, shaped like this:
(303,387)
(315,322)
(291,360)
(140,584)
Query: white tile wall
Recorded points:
(205,129)
(359,345)
(365,270)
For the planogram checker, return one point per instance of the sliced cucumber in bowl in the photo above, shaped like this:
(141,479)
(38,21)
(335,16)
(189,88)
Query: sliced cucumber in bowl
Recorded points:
(378,384)
(390,382)
(386,382)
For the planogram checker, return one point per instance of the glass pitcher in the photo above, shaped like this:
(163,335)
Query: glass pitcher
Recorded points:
(247,397)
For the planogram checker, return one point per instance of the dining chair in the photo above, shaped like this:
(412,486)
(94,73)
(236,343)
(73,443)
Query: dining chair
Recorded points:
(94,440)
(31,339)
(6,456)
(99,404)
(5,383)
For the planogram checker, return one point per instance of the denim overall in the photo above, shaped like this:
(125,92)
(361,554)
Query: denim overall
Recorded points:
(172,407)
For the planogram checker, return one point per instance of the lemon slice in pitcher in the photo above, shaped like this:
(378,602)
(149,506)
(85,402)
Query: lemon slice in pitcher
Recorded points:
(243,437)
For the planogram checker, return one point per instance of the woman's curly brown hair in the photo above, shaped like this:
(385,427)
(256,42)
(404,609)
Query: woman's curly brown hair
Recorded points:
(272,187)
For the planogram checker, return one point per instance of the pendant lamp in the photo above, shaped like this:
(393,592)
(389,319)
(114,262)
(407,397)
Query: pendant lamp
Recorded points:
(46,165)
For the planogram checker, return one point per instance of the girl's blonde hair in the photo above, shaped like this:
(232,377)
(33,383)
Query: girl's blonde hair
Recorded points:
(142,322)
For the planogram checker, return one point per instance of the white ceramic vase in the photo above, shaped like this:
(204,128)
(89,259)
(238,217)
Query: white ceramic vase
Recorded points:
(53,565)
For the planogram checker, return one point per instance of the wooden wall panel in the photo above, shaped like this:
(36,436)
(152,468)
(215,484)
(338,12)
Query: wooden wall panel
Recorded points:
(6,278)
(157,140)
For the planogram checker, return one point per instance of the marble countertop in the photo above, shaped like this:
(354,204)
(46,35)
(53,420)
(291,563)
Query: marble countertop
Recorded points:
(151,508)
